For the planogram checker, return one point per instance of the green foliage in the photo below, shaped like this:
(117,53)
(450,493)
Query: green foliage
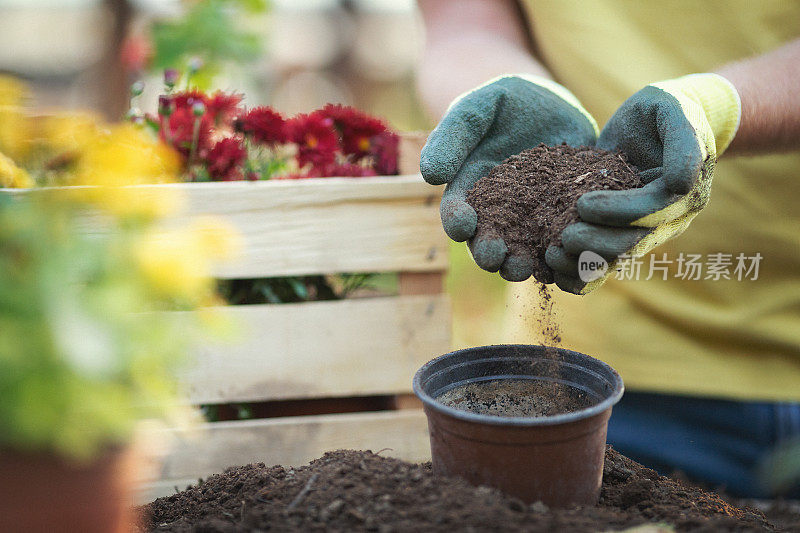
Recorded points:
(293,289)
(82,355)
(780,471)
(209,31)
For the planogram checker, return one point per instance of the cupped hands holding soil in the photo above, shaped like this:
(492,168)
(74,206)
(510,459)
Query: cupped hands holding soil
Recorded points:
(531,197)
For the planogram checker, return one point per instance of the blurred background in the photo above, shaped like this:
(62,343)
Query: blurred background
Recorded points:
(85,53)
(295,55)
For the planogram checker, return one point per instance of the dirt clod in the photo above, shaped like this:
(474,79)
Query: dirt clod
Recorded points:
(362,491)
(530,198)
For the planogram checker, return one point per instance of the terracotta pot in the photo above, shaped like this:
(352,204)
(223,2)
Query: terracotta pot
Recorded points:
(554,459)
(46,493)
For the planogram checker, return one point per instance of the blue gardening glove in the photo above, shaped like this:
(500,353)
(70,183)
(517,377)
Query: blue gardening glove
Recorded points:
(673,131)
(480,130)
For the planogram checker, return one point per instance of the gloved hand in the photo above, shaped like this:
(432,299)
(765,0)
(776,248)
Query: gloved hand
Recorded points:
(673,131)
(481,129)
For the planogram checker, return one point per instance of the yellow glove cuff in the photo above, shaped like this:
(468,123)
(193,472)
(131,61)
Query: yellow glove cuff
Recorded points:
(716,97)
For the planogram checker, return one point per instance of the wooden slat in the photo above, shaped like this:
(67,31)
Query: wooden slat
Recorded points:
(355,347)
(297,227)
(329,225)
(318,226)
(289,441)
(411,144)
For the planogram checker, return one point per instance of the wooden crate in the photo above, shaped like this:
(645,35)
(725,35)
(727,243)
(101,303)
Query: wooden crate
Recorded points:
(328,352)
(355,347)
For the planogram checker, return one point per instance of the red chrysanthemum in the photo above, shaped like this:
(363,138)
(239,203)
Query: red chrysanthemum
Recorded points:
(224,161)
(186,99)
(316,139)
(384,152)
(223,107)
(264,125)
(356,128)
(182,128)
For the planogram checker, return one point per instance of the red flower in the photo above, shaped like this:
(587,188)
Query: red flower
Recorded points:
(186,99)
(225,160)
(223,107)
(317,141)
(384,152)
(264,125)
(178,130)
(356,128)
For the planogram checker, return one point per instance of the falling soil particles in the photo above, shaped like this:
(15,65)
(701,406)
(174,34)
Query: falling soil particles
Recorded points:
(530,198)
(516,398)
(362,491)
(548,327)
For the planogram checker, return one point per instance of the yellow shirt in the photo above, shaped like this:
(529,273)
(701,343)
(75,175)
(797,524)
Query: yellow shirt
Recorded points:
(725,338)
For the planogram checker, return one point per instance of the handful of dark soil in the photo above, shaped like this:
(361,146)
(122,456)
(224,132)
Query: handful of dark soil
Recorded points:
(362,491)
(530,198)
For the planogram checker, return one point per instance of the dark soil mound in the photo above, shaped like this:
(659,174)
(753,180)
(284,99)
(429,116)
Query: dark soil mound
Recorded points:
(516,397)
(362,491)
(530,198)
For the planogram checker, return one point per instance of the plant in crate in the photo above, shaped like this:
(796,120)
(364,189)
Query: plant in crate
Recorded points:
(85,351)
(219,139)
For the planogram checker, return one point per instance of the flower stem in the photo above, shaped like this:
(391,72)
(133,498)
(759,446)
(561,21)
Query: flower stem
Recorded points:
(195,141)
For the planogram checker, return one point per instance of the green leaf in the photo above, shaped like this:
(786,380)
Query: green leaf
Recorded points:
(267,292)
(254,6)
(244,411)
(208,31)
(299,288)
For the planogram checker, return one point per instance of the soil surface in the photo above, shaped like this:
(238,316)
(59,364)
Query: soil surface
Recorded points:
(516,397)
(362,491)
(784,514)
(530,198)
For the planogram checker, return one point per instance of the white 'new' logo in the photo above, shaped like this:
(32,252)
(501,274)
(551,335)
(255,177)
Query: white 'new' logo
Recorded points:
(591,266)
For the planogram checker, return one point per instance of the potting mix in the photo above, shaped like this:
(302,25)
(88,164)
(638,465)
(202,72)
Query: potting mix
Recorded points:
(530,198)
(363,491)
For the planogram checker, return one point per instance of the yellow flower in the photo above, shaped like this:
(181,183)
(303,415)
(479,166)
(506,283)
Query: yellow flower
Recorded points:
(12,91)
(114,161)
(179,262)
(12,176)
(125,155)
(14,123)
(71,132)
(217,236)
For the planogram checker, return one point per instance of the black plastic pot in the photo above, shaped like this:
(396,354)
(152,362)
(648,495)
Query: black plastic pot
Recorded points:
(554,459)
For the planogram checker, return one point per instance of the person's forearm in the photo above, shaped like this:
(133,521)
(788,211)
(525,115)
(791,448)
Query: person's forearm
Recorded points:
(468,43)
(769,86)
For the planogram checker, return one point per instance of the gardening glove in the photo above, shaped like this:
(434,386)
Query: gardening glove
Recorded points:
(673,131)
(480,130)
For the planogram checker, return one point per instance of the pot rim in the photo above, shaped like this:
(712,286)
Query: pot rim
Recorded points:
(518,421)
